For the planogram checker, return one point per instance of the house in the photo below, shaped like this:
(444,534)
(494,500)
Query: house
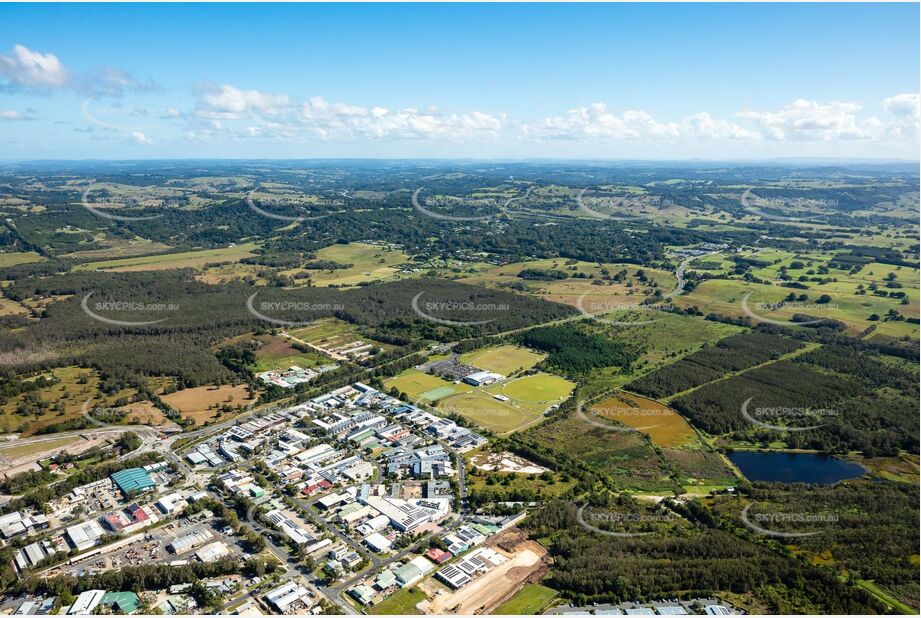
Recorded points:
(438,556)
(363,594)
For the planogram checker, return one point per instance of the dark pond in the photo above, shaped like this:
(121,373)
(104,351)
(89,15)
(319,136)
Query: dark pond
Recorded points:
(794,467)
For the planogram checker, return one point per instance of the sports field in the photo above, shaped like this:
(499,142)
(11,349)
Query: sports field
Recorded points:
(529,397)
(418,384)
(487,412)
(505,359)
(540,389)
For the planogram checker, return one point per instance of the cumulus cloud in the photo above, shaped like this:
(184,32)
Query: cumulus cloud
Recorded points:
(802,120)
(24,68)
(138,137)
(906,111)
(340,120)
(231,103)
(598,121)
(805,120)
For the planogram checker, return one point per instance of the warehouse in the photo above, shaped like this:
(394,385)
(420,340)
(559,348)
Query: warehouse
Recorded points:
(85,535)
(190,541)
(132,481)
(212,552)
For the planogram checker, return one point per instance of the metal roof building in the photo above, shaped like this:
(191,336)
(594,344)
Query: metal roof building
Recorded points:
(131,481)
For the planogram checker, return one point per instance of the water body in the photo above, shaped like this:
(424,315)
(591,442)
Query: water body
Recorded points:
(794,467)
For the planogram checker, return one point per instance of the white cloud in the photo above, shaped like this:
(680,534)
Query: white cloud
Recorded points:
(138,137)
(906,110)
(231,103)
(9,114)
(31,69)
(597,121)
(805,120)
(340,120)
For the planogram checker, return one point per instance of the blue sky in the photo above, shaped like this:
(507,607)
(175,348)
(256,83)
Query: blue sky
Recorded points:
(421,80)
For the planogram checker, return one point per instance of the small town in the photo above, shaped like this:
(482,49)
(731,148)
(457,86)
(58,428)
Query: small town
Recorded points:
(337,505)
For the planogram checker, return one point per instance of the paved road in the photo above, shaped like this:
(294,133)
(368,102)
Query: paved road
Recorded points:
(679,273)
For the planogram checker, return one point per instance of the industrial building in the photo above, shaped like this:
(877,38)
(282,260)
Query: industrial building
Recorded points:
(132,481)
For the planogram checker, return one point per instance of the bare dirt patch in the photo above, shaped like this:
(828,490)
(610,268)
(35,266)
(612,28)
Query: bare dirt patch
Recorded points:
(526,561)
(505,462)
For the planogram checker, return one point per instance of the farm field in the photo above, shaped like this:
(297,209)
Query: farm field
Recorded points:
(203,403)
(666,427)
(505,359)
(186,259)
(532,599)
(11,307)
(368,263)
(118,248)
(725,297)
(581,289)
(21,257)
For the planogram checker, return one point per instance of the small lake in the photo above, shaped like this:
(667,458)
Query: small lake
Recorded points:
(794,467)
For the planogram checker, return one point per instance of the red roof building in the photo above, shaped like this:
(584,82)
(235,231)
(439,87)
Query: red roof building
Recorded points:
(438,556)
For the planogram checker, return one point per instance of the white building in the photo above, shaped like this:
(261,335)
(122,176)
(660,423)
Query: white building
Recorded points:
(378,543)
(85,535)
(86,602)
(287,596)
(212,551)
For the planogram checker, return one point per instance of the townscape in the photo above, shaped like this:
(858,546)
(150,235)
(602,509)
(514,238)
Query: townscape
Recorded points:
(466,309)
